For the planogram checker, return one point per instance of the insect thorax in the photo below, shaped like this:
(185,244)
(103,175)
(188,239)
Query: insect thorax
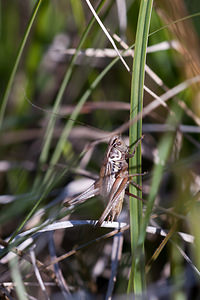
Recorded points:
(117,160)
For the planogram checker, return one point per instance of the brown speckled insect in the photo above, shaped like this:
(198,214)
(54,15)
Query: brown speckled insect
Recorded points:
(112,182)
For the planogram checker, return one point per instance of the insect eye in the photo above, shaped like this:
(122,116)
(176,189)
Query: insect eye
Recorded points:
(119,143)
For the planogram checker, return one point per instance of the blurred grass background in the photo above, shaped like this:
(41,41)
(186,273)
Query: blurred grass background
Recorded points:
(44,146)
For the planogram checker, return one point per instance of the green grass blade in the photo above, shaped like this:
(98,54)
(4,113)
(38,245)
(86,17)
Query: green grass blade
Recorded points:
(78,12)
(74,116)
(14,70)
(164,151)
(17,279)
(137,281)
(50,126)
(43,193)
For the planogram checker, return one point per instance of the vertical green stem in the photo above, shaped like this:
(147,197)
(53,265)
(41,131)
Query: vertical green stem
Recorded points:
(137,281)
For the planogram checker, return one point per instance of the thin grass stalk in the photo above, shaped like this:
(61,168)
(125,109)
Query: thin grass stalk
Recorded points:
(137,278)
(43,193)
(73,117)
(164,150)
(194,223)
(51,123)
(19,54)
(17,280)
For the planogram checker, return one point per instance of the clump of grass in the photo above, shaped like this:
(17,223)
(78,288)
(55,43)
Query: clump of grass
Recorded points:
(44,153)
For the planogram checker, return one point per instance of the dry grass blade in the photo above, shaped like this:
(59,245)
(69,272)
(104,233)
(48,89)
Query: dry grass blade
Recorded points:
(160,248)
(154,104)
(115,258)
(111,53)
(186,258)
(37,273)
(160,82)
(107,34)
(60,278)
(24,255)
(168,237)
(103,237)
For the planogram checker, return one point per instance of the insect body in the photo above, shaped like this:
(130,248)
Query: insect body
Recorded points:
(112,182)
(114,178)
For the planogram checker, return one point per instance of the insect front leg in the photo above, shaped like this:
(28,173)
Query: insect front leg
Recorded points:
(129,155)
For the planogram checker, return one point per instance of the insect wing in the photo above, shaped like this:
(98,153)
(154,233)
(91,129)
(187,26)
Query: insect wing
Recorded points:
(106,180)
(116,199)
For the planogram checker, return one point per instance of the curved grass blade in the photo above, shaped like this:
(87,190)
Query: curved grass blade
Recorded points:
(50,126)
(14,70)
